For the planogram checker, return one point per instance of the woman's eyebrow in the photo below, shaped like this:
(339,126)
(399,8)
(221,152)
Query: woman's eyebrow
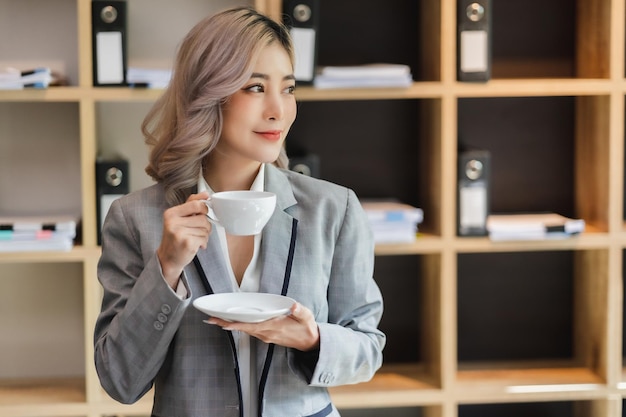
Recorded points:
(267,77)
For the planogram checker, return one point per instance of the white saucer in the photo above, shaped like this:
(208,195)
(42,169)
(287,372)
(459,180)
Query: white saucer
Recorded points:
(248,307)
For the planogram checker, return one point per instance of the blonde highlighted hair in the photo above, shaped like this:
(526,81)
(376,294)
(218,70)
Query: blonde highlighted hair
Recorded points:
(214,60)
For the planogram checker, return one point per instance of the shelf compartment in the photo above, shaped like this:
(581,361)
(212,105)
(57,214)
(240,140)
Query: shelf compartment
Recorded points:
(412,292)
(118,133)
(559,39)
(548,154)
(43,41)
(149,46)
(387,149)
(405,32)
(47,341)
(566,408)
(518,309)
(40,145)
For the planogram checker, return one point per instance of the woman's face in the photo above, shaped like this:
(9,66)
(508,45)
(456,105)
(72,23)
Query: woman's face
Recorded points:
(259,115)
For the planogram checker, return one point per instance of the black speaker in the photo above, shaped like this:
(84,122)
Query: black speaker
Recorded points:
(302,18)
(108,19)
(308,165)
(112,182)
(473,192)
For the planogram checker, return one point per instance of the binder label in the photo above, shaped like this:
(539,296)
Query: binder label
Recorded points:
(474,51)
(110,58)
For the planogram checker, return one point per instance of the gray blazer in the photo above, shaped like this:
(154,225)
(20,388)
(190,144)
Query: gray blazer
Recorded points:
(317,248)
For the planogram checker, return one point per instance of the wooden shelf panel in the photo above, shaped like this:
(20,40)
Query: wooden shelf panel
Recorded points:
(423,245)
(77,254)
(48,94)
(484,244)
(429,244)
(426,89)
(533,382)
(392,386)
(45,392)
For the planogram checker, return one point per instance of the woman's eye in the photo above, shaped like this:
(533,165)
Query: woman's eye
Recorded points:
(291,89)
(256,88)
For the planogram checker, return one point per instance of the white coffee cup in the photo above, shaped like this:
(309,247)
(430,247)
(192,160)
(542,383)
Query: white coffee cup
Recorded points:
(241,213)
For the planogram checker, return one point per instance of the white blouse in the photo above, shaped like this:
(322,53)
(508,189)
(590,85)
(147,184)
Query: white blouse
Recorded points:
(250,282)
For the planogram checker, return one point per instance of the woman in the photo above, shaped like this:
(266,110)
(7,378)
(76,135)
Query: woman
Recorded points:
(220,125)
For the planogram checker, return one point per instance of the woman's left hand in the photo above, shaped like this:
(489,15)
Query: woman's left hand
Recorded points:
(296,330)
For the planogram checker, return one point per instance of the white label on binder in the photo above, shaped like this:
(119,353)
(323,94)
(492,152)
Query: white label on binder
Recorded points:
(110,59)
(474,47)
(304,49)
(473,207)
(105,204)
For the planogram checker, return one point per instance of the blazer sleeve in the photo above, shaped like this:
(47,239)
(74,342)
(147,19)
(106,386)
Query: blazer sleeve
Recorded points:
(140,312)
(351,344)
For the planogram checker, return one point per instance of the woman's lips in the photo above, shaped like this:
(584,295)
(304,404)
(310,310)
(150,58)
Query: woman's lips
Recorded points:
(273,135)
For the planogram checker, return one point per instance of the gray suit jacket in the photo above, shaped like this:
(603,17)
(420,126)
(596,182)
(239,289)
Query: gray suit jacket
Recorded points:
(317,248)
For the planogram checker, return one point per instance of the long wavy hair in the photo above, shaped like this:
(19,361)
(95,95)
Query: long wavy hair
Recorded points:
(213,62)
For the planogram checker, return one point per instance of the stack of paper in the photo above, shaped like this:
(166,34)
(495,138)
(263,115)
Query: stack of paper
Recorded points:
(147,77)
(393,221)
(14,79)
(364,76)
(23,234)
(534,226)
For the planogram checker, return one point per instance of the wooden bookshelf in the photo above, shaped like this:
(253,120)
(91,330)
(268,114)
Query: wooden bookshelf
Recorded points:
(559,91)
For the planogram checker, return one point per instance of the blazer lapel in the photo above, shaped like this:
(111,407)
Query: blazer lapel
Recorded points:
(214,267)
(276,251)
(277,234)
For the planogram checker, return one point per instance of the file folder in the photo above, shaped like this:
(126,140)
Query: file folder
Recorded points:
(302,18)
(112,182)
(109,42)
(474,40)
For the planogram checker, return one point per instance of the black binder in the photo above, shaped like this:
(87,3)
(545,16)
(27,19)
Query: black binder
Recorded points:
(108,19)
(473,195)
(474,40)
(302,18)
(112,182)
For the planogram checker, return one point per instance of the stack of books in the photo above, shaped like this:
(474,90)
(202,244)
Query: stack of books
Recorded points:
(25,234)
(393,221)
(532,226)
(14,79)
(364,76)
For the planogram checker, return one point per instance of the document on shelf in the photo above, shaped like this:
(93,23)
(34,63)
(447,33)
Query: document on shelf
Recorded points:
(532,226)
(364,76)
(392,221)
(37,233)
(14,79)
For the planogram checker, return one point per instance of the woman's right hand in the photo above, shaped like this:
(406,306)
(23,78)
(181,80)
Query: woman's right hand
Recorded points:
(186,230)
